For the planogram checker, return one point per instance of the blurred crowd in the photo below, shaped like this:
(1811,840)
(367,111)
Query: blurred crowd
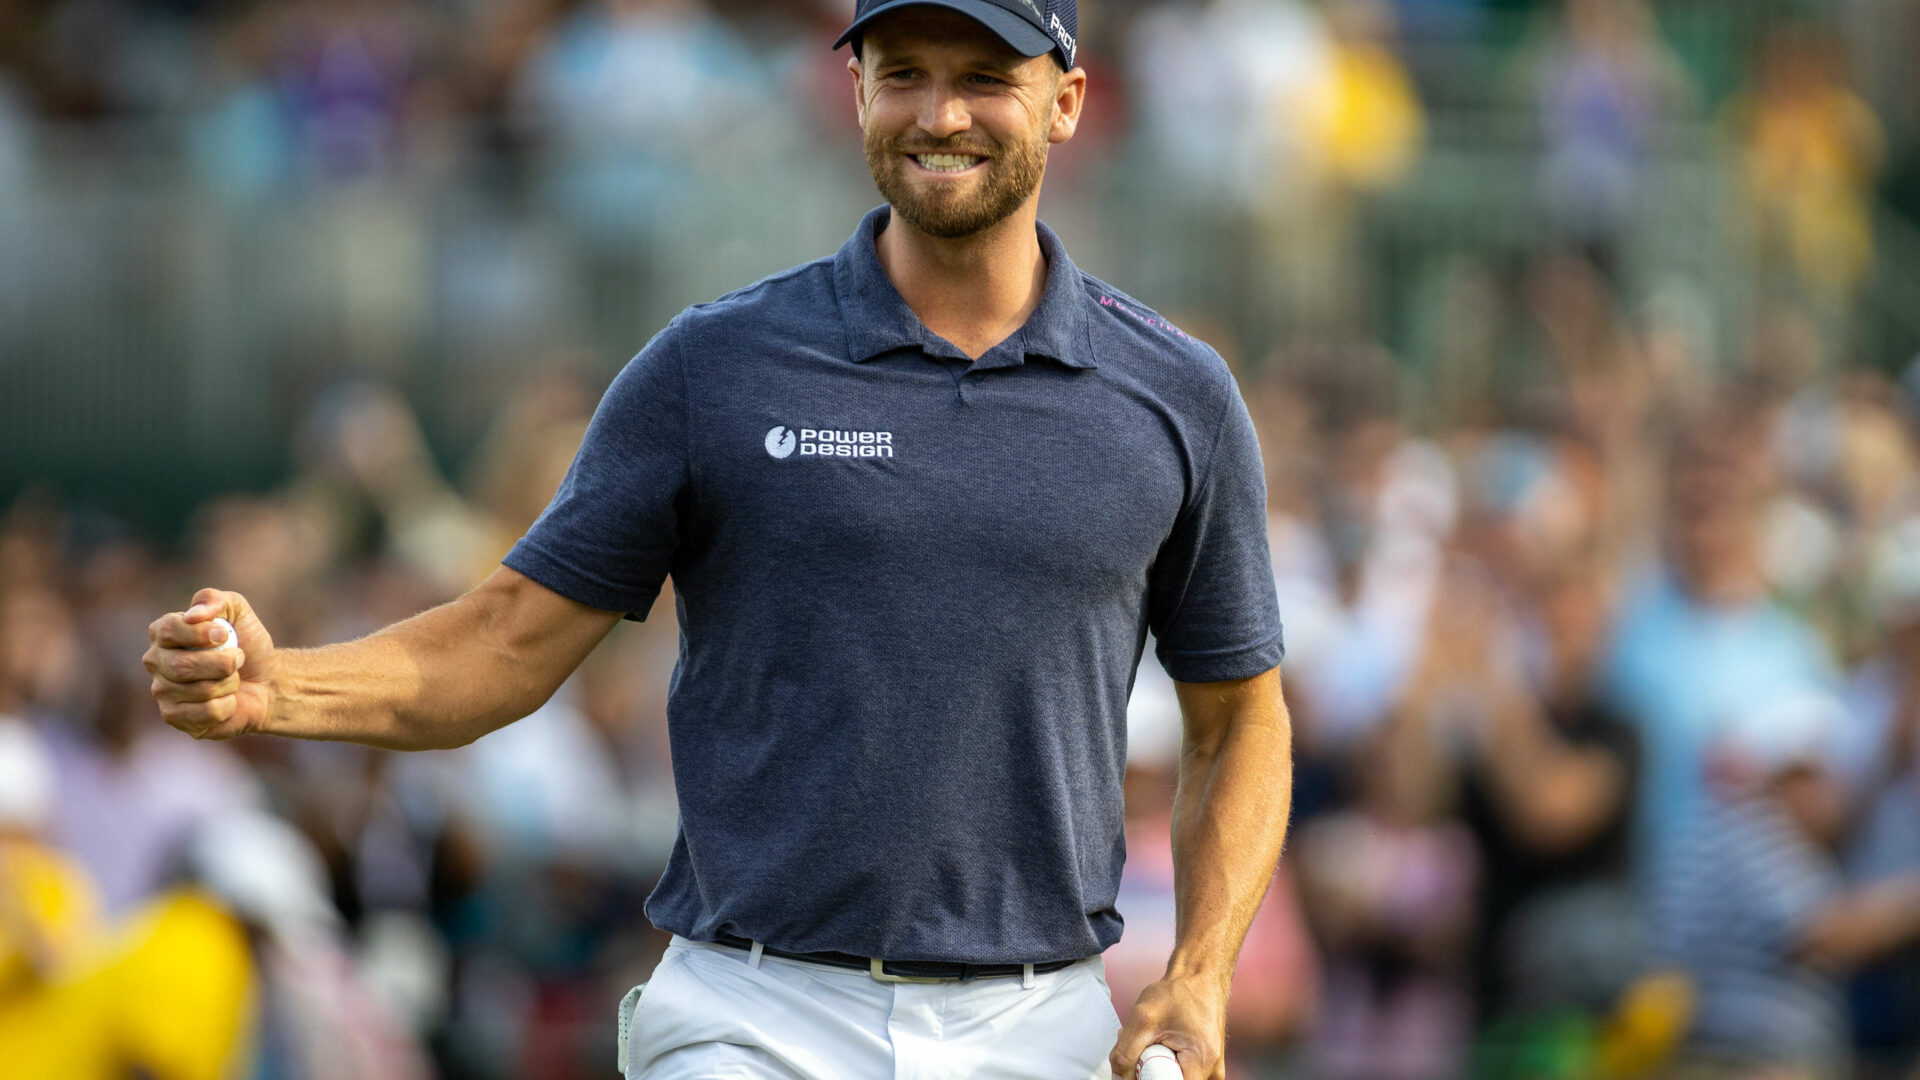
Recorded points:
(1603,611)
(1265,129)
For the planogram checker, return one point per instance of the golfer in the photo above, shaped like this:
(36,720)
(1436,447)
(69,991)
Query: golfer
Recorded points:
(922,502)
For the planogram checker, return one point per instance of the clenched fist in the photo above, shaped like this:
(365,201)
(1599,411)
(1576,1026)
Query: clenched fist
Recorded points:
(207,691)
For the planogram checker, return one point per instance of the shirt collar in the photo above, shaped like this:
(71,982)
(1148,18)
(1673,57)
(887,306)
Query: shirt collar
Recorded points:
(878,319)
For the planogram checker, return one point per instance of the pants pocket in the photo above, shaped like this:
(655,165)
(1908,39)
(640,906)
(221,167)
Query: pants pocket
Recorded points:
(628,1005)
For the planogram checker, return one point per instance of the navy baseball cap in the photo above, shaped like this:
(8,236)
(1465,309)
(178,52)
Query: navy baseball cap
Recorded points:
(1030,27)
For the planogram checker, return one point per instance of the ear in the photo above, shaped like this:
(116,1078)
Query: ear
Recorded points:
(859,96)
(1067,100)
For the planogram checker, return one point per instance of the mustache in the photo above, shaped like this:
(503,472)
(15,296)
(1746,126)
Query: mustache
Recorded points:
(939,148)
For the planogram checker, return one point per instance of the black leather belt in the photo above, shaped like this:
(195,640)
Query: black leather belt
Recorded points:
(898,970)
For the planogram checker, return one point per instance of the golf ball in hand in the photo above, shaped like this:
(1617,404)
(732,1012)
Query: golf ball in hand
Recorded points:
(1159,1063)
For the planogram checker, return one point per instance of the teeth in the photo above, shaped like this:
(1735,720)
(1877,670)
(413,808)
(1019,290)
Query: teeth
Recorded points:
(947,162)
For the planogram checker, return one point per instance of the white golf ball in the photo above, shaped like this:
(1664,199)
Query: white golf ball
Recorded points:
(233,639)
(1159,1063)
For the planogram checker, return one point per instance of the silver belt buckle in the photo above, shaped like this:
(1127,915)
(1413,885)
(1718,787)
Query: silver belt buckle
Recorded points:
(874,968)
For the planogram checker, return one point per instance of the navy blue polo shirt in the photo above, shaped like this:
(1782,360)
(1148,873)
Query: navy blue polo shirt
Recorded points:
(912,591)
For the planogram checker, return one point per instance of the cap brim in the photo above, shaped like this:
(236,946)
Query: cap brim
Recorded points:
(1019,34)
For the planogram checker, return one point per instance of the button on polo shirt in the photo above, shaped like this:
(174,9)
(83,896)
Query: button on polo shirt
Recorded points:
(912,590)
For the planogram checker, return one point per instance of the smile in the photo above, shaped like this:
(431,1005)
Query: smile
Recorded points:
(947,163)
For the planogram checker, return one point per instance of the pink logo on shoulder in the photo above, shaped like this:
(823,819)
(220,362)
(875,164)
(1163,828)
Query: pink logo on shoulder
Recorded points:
(1108,301)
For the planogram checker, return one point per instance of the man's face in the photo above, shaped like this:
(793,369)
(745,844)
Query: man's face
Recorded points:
(1713,509)
(956,124)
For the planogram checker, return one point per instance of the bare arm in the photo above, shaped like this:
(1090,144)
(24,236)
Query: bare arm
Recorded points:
(1229,822)
(442,678)
(1864,925)
(1554,796)
(1551,794)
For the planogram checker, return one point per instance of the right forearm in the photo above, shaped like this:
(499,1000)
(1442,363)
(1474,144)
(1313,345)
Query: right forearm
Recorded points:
(440,679)
(434,681)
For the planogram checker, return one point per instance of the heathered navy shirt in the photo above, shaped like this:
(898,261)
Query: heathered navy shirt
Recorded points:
(912,592)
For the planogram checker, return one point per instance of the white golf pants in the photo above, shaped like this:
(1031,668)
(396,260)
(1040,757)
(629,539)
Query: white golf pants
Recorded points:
(715,1013)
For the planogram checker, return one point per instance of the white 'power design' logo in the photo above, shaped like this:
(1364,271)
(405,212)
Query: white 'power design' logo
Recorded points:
(782,441)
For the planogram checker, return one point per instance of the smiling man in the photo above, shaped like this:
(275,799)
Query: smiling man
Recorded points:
(921,502)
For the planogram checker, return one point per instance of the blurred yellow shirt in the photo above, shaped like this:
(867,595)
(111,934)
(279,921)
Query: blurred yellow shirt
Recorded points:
(171,994)
(1809,163)
(1368,123)
(47,896)
(49,920)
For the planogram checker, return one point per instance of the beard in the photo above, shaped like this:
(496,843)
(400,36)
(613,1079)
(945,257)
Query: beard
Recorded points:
(1013,173)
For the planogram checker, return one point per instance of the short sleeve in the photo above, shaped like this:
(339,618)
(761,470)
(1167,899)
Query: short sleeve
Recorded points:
(608,537)
(1211,601)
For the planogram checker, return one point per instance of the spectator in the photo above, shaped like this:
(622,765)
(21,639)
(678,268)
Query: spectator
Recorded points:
(1547,788)
(1361,130)
(1600,88)
(1699,642)
(354,80)
(1811,150)
(1755,910)
(633,94)
(1218,89)
(245,951)
(1388,886)
(49,916)
(129,795)
(365,448)
(1357,565)
(1878,761)
(310,1005)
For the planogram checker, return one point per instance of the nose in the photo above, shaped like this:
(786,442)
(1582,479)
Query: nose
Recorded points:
(943,113)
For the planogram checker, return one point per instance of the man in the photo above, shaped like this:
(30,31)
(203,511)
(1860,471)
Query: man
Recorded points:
(921,503)
(1700,641)
(1754,908)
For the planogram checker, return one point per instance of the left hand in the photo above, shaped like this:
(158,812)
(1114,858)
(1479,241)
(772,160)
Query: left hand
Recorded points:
(1185,1013)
